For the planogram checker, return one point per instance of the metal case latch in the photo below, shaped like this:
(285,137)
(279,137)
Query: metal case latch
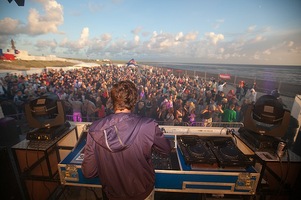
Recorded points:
(244,181)
(71,174)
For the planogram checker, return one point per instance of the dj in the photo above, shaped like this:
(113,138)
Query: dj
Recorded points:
(119,147)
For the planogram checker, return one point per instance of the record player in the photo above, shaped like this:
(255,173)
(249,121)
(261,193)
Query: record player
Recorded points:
(214,152)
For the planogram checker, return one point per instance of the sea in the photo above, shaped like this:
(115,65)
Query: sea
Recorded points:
(277,73)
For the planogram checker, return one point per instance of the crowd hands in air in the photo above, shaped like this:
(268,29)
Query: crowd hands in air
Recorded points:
(170,99)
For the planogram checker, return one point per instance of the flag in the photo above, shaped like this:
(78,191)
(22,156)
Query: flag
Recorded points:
(132,62)
(225,76)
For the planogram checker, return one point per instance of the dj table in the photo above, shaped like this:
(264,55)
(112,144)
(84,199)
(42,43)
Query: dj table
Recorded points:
(203,160)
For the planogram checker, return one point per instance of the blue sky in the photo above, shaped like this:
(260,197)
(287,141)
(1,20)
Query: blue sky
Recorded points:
(215,31)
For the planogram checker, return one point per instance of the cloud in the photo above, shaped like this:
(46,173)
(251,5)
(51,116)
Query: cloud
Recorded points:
(255,42)
(84,37)
(37,23)
(290,44)
(42,45)
(47,23)
(76,46)
(191,36)
(179,36)
(214,38)
(251,28)
(137,30)
(100,44)
(267,52)
(8,26)
(137,39)
(160,41)
(258,38)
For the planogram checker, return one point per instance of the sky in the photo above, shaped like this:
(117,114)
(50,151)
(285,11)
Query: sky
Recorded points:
(265,32)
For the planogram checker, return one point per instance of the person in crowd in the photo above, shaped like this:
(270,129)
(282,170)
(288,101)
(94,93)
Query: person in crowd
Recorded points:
(97,81)
(217,113)
(192,117)
(179,113)
(239,114)
(19,101)
(221,85)
(206,115)
(275,93)
(148,104)
(219,97)
(229,114)
(152,106)
(100,109)
(3,91)
(230,95)
(199,106)
(162,112)
(140,108)
(239,91)
(252,95)
(76,107)
(169,118)
(208,97)
(170,101)
(185,118)
(125,141)
(88,109)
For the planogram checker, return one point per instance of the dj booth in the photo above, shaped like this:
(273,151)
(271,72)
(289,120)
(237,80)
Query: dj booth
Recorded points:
(203,160)
(208,160)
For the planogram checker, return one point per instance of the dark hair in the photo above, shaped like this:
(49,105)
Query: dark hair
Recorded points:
(124,95)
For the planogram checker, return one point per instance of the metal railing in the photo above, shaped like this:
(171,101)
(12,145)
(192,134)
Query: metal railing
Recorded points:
(22,122)
(202,124)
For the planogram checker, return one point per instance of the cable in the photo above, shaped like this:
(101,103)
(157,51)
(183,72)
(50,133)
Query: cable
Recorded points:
(222,130)
(283,181)
(282,177)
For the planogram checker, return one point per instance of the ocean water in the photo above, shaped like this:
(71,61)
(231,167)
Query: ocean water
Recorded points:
(277,73)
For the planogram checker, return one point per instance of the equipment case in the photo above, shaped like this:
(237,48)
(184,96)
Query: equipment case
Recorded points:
(242,181)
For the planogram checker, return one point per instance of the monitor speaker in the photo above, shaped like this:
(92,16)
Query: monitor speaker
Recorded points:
(10,131)
(10,187)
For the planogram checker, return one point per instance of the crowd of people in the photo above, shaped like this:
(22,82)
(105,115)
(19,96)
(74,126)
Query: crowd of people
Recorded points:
(170,99)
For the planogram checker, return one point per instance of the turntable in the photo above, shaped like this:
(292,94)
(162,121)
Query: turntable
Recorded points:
(195,150)
(215,151)
(227,153)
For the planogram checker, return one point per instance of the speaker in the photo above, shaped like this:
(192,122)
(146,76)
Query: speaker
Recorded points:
(10,187)
(10,131)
